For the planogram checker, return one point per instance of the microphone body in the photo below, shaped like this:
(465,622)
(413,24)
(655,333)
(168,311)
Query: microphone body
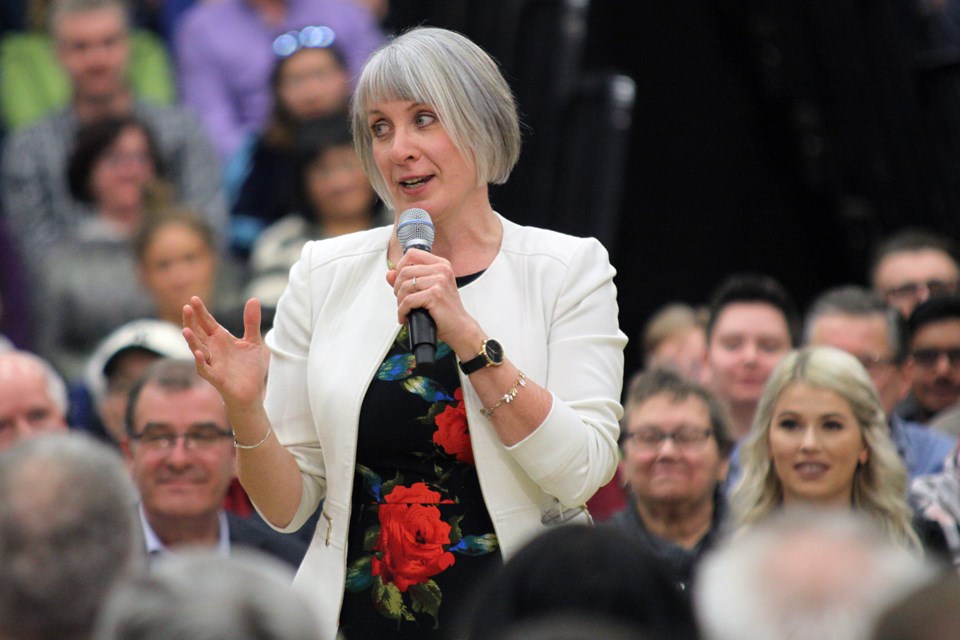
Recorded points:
(415,231)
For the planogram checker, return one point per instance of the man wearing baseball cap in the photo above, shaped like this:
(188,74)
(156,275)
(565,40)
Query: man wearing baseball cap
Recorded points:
(119,360)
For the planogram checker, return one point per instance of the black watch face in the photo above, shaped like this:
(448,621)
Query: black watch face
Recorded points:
(494,351)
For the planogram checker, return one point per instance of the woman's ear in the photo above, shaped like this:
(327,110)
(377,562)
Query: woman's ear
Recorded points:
(864,455)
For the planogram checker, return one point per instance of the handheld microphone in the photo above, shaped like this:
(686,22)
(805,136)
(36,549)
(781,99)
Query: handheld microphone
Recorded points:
(415,231)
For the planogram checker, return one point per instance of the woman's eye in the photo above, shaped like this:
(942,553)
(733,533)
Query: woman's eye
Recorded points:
(379,129)
(789,424)
(424,119)
(833,425)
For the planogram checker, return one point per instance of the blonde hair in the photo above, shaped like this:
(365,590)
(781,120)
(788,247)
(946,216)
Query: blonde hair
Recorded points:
(879,486)
(447,71)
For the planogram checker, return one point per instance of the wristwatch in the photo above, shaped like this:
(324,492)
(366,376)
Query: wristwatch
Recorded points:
(491,355)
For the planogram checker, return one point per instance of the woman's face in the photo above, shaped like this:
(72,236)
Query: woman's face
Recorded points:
(313,84)
(120,174)
(177,264)
(816,444)
(337,186)
(419,162)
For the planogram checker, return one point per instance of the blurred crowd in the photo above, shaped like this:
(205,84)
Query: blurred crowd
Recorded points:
(785,472)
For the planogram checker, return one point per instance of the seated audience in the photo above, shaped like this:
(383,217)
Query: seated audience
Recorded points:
(581,570)
(180,452)
(37,201)
(676,447)
(200,594)
(225,54)
(67,535)
(753,323)
(177,258)
(934,342)
(34,83)
(675,338)
(308,84)
(89,285)
(929,612)
(858,321)
(936,499)
(334,197)
(913,265)
(119,360)
(803,575)
(33,398)
(820,439)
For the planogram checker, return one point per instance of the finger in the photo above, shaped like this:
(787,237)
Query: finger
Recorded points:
(251,321)
(196,345)
(416,256)
(204,319)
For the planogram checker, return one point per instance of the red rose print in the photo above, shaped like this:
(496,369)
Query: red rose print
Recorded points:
(412,537)
(452,434)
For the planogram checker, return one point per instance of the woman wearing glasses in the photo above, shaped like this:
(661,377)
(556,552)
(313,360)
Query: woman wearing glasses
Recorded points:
(428,480)
(820,438)
(676,448)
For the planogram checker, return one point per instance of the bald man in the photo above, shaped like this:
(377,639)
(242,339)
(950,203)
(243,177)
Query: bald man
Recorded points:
(33,398)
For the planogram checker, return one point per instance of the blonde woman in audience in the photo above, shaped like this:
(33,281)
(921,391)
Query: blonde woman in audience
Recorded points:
(820,439)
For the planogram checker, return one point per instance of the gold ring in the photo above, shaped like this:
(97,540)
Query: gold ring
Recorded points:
(415,283)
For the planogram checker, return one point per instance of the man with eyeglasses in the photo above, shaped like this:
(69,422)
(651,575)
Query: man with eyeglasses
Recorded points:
(858,321)
(676,447)
(934,330)
(912,266)
(180,452)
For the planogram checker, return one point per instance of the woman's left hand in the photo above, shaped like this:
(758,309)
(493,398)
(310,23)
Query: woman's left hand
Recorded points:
(422,280)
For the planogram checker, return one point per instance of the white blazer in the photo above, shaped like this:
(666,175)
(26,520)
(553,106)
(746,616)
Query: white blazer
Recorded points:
(548,298)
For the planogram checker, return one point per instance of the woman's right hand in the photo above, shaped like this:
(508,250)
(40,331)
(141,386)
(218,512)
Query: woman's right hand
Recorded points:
(236,367)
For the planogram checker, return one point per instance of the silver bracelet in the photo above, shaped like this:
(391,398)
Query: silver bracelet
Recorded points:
(506,398)
(252,446)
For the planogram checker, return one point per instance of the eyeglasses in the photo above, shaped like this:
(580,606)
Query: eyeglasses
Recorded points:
(192,440)
(874,362)
(652,438)
(913,290)
(929,357)
(287,44)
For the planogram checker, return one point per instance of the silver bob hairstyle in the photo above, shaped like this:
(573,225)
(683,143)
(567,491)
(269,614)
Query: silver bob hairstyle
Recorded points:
(879,484)
(454,76)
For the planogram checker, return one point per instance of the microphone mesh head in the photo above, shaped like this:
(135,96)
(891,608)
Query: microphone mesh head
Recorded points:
(415,227)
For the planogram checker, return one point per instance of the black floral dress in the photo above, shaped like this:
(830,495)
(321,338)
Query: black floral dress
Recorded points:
(420,535)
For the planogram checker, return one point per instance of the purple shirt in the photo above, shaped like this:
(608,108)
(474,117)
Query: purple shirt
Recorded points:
(225,56)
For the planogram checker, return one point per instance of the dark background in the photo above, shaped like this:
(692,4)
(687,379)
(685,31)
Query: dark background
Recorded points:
(767,135)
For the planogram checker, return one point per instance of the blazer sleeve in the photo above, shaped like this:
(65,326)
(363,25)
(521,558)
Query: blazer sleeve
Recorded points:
(288,398)
(574,451)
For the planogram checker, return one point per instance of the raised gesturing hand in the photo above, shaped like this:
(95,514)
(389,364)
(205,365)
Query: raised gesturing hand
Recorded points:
(237,367)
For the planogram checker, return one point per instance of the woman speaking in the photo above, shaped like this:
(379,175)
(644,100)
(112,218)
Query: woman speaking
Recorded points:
(427,481)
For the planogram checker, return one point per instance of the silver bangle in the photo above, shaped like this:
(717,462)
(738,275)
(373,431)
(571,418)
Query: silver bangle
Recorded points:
(252,446)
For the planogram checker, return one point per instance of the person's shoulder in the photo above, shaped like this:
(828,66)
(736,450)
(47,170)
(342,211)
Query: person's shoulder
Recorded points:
(926,434)
(157,114)
(553,248)
(50,125)
(350,247)
(205,15)
(561,247)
